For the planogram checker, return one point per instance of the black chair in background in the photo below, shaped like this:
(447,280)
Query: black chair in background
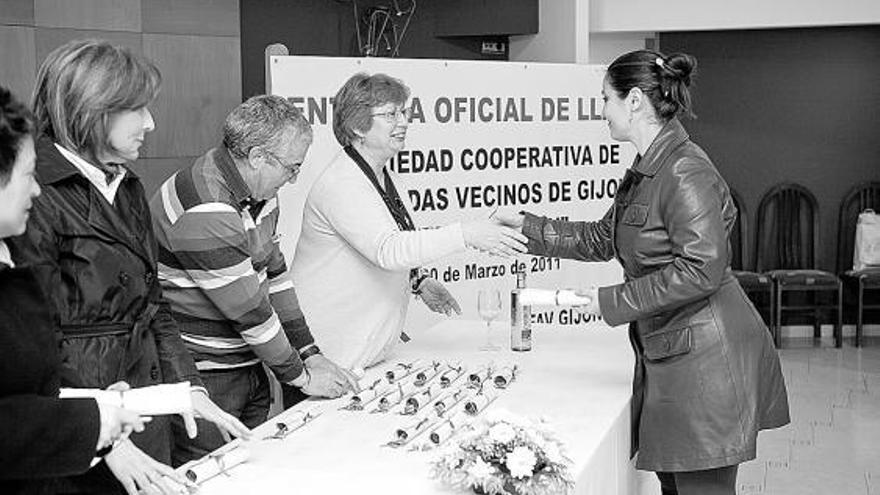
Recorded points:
(787,249)
(859,198)
(758,286)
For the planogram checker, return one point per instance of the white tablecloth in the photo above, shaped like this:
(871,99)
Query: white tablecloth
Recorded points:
(579,379)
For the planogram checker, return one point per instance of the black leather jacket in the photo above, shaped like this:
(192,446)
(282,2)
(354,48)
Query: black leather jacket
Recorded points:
(707,377)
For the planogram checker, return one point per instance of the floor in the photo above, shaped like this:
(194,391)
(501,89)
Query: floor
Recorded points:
(832,446)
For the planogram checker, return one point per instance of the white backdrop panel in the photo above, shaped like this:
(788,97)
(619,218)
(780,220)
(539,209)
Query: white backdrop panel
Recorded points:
(484,135)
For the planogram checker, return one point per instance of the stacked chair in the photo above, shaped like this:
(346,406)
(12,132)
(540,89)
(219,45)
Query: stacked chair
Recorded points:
(860,198)
(787,249)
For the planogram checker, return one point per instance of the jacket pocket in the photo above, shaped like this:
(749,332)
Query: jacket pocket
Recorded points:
(635,215)
(667,344)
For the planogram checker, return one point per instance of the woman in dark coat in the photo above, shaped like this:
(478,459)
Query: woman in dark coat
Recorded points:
(90,240)
(707,377)
(43,437)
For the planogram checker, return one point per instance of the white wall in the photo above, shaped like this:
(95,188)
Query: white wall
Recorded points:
(704,15)
(563,27)
(605,47)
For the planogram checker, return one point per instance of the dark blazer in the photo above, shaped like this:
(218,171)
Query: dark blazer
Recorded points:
(707,376)
(41,436)
(97,263)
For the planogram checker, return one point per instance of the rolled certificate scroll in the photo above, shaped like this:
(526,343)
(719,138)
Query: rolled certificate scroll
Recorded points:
(420,398)
(368,394)
(294,420)
(503,377)
(547,297)
(477,403)
(475,379)
(216,463)
(413,429)
(450,375)
(401,370)
(406,387)
(448,427)
(154,400)
(448,400)
(390,399)
(425,375)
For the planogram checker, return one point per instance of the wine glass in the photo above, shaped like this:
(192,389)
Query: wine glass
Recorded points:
(489,307)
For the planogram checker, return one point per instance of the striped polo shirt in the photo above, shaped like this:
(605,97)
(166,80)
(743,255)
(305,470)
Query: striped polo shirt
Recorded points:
(223,272)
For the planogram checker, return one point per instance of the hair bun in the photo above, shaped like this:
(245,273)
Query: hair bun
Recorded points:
(682,65)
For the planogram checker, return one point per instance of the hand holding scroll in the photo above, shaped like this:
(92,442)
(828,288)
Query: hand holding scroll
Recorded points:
(117,423)
(592,308)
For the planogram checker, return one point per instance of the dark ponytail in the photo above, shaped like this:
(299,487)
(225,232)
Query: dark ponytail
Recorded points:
(16,124)
(665,80)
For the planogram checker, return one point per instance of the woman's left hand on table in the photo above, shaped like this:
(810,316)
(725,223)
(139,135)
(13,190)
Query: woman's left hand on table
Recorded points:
(437,298)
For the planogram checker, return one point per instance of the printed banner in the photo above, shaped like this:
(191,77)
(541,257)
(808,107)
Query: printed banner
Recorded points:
(484,135)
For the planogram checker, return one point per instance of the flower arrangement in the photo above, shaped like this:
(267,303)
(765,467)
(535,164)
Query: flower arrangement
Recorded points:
(502,454)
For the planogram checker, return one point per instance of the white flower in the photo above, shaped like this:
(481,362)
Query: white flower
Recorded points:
(535,438)
(480,470)
(553,453)
(502,433)
(520,462)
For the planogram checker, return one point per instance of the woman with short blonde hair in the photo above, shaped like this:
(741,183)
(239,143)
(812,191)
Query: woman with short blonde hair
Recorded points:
(90,240)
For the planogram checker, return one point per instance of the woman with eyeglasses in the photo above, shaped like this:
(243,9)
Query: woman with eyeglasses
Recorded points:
(358,256)
(89,239)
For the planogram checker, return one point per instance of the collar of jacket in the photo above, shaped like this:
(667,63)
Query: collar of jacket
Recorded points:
(241,193)
(52,167)
(670,137)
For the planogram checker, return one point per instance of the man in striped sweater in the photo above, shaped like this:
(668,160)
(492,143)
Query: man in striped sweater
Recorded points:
(223,272)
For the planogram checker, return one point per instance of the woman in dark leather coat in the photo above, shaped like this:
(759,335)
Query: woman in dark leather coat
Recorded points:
(707,377)
(89,240)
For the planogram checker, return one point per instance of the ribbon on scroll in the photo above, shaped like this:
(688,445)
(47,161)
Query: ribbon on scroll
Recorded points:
(401,370)
(451,375)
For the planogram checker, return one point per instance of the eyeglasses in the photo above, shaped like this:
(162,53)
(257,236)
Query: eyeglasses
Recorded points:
(394,115)
(290,169)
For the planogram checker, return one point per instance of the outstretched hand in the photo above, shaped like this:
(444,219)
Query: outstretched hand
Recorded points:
(437,298)
(493,238)
(509,218)
(592,308)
